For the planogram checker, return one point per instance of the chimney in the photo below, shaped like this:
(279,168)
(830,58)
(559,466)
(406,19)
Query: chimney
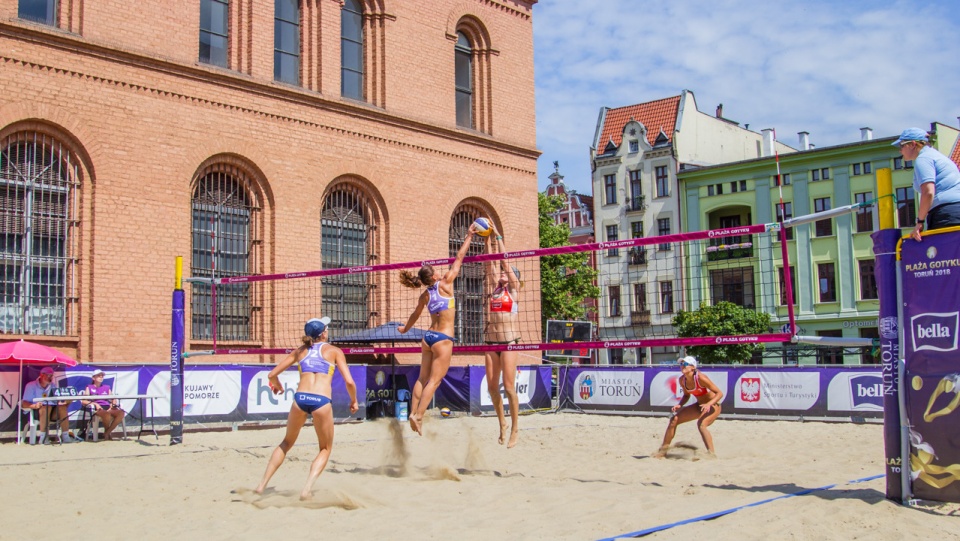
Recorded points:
(720,111)
(866,134)
(767,149)
(804,140)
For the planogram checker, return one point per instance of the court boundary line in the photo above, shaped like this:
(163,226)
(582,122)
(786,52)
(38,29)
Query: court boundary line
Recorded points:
(718,514)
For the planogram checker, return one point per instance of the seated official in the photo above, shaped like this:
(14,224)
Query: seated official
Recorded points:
(40,388)
(109,412)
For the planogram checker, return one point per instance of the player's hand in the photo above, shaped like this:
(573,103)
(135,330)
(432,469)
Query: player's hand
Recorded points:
(915,234)
(276,387)
(704,409)
(402,329)
(354,406)
(675,408)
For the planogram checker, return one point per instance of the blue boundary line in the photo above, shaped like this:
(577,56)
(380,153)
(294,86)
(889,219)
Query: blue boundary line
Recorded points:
(718,514)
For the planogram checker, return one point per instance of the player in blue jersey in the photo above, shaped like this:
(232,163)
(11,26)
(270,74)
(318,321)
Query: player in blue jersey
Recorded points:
(315,360)
(436,349)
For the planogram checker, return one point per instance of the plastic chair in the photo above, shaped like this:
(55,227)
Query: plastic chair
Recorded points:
(92,430)
(29,431)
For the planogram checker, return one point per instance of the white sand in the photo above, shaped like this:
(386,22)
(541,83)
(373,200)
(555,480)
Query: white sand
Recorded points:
(572,476)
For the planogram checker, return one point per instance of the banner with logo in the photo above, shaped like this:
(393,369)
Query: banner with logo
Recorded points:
(532,384)
(789,391)
(931,321)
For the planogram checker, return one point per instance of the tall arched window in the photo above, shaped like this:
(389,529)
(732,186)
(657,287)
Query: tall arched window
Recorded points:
(464,80)
(351,50)
(468,287)
(226,243)
(286,41)
(39,193)
(346,241)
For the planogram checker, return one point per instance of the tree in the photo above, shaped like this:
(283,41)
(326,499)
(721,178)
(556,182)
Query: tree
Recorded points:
(723,319)
(565,279)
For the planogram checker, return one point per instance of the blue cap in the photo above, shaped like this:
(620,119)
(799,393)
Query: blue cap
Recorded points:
(315,327)
(911,134)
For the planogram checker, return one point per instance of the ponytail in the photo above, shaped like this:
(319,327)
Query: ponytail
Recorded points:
(422,278)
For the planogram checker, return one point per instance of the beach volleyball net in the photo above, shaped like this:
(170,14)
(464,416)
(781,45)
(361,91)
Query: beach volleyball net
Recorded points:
(642,284)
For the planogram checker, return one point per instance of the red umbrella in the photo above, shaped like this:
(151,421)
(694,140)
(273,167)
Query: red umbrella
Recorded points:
(22,352)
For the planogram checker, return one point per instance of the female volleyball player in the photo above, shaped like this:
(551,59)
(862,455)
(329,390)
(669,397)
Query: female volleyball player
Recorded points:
(315,360)
(706,409)
(503,327)
(437,345)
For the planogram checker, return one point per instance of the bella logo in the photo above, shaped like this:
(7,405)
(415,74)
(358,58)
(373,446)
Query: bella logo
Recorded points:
(935,331)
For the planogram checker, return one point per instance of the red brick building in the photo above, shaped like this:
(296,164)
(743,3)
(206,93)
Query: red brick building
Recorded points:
(250,137)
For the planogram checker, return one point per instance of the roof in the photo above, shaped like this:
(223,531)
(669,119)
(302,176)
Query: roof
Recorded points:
(655,115)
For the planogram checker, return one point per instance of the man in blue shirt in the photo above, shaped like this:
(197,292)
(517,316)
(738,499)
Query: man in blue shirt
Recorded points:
(43,387)
(935,177)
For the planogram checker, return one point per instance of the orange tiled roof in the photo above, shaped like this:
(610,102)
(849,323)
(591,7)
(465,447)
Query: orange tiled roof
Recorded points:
(955,156)
(655,115)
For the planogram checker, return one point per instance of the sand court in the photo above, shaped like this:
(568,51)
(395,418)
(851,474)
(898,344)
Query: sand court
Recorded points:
(572,476)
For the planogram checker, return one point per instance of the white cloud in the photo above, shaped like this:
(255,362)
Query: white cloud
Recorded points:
(820,66)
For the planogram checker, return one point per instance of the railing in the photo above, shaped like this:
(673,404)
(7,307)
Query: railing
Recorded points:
(638,256)
(637,204)
(729,251)
(640,317)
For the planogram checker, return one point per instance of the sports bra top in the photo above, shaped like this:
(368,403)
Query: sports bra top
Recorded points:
(314,362)
(698,390)
(437,302)
(502,301)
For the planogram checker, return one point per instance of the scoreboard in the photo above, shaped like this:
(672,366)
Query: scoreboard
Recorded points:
(569,332)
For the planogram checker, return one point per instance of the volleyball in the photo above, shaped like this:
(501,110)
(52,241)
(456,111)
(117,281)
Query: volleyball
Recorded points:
(445,412)
(482,225)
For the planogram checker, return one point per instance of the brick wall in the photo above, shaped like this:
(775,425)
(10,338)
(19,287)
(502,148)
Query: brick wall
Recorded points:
(124,91)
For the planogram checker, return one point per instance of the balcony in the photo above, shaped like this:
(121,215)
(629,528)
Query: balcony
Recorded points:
(640,317)
(729,251)
(636,204)
(637,256)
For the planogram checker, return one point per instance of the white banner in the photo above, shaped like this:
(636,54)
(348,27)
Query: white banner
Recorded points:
(665,387)
(9,395)
(777,390)
(855,392)
(260,399)
(526,384)
(609,388)
(205,392)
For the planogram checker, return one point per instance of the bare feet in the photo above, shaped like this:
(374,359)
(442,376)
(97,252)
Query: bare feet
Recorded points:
(413,423)
(662,452)
(304,496)
(259,489)
(417,423)
(503,431)
(513,439)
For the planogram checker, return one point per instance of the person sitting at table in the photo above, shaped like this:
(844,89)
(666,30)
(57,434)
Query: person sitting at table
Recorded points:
(109,412)
(40,388)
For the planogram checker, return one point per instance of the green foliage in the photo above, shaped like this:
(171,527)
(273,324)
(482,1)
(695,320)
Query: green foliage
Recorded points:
(566,279)
(722,319)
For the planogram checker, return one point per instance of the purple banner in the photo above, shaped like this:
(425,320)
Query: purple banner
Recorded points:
(931,321)
(755,390)
(176,369)
(885,271)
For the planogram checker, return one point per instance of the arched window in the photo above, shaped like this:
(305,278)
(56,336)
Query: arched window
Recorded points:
(351,50)
(286,41)
(39,192)
(347,241)
(226,243)
(468,287)
(464,80)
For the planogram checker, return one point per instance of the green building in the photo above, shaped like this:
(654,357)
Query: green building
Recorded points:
(831,260)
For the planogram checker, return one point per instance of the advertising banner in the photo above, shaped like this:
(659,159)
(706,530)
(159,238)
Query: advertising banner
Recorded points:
(789,391)
(532,385)
(931,320)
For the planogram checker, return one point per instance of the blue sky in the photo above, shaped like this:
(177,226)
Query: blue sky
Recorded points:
(828,67)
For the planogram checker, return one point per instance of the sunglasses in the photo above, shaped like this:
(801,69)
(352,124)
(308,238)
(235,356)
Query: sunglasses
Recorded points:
(685,364)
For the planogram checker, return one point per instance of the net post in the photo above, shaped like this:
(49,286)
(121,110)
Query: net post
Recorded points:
(176,356)
(886,209)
